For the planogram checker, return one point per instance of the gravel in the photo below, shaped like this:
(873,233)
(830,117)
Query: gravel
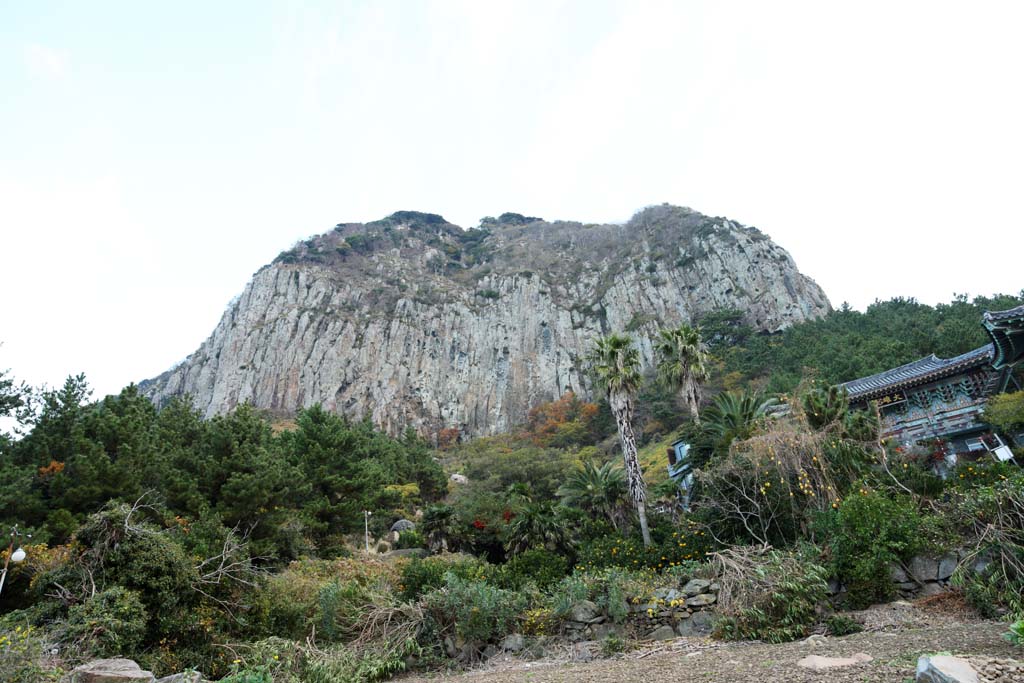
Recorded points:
(893,643)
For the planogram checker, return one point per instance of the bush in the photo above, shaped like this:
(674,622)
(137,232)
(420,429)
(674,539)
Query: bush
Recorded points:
(410,539)
(111,623)
(21,657)
(869,530)
(1016,633)
(540,567)
(422,576)
(611,589)
(992,574)
(473,610)
(672,547)
(771,596)
(839,625)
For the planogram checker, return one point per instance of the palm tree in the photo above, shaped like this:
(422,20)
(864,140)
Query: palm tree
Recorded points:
(595,490)
(536,525)
(616,363)
(734,416)
(683,364)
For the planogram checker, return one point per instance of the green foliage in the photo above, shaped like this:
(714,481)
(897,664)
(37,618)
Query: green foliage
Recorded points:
(1016,633)
(992,519)
(1006,411)
(671,547)
(847,344)
(422,576)
(777,597)
(611,589)
(734,415)
(870,530)
(841,625)
(612,645)
(21,657)
(473,610)
(410,539)
(108,624)
(542,568)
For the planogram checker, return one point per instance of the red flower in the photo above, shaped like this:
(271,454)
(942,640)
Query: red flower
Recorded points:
(479,524)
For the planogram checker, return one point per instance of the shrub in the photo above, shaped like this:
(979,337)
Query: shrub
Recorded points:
(21,657)
(473,610)
(1016,633)
(992,574)
(421,576)
(612,645)
(611,589)
(840,625)
(673,547)
(771,596)
(869,530)
(540,567)
(112,622)
(410,539)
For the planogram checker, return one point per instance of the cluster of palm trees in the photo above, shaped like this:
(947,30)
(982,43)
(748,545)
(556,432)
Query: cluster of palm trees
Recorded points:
(682,365)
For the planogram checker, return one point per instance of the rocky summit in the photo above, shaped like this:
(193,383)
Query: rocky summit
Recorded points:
(416,322)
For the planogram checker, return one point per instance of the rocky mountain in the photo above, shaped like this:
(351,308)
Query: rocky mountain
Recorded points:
(417,322)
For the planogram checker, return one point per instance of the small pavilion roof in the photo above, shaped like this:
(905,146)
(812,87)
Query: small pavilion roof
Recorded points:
(921,371)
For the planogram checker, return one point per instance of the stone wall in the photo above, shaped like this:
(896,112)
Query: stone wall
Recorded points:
(666,614)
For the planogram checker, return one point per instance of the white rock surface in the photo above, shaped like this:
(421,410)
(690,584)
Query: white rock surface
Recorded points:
(401,336)
(819,663)
(945,669)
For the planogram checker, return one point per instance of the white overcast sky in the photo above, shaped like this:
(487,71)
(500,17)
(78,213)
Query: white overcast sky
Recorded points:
(154,155)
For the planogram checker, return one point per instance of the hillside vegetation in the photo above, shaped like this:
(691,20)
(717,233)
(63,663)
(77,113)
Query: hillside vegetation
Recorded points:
(237,548)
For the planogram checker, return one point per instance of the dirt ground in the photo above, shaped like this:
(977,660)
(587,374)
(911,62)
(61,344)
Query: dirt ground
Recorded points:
(896,636)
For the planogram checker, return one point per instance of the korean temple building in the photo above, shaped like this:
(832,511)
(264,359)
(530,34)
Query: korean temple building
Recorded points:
(932,398)
(943,398)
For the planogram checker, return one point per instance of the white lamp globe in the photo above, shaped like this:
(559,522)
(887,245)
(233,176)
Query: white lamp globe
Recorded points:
(18,555)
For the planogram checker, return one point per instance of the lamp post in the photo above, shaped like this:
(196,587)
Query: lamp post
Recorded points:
(13,555)
(366,528)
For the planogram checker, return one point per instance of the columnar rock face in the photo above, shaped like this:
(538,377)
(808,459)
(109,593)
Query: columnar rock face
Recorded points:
(418,323)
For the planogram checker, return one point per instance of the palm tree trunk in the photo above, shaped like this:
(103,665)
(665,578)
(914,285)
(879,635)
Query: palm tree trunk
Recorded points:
(622,409)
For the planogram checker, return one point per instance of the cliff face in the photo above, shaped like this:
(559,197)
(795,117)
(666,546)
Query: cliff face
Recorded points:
(416,322)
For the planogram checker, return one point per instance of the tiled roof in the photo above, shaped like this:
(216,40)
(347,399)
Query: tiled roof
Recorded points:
(1000,316)
(920,371)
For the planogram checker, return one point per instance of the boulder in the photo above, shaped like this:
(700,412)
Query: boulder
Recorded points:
(584,611)
(930,589)
(602,631)
(109,671)
(897,573)
(924,568)
(662,633)
(947,565)
(702,600)
(403,525)
(696,587)
(186,677)
(945,669)
(514,642)
(819,663)
(459,479)
(699,624)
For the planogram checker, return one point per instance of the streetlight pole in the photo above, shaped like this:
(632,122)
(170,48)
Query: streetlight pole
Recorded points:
(13,555)
(366,528)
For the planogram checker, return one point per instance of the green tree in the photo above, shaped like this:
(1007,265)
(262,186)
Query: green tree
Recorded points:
(616,363)
(536,525)
(734,415)
(596,490)
(683,364)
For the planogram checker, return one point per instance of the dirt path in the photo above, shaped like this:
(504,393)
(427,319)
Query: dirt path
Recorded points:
(691,660)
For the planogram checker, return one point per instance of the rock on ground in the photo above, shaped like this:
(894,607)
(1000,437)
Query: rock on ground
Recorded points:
(109,671)
(945,669)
